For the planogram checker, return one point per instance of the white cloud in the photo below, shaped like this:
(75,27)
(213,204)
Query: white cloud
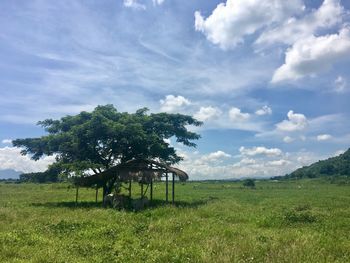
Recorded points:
(304,158)
(329,14)
(168,141)
(295,122)
(217,156)
(298,127)
(230,22)
(260,151)
(313,55)
(173,103)
(340,84)
(261,166)
(11,158)
(281,162)
(247,161)
(301,128)
(235,114)
(339,152)
(207,113)
(157,2)
(324,137)
(6,141)
(265,110)
(321,123)
(288,139)
(134,4)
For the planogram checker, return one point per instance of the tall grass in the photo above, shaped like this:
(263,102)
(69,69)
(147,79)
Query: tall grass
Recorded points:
(295,221)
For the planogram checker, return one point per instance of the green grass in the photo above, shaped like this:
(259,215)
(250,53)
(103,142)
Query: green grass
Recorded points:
(292,221)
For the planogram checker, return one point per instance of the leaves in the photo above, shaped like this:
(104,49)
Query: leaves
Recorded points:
(335,166)
(106,137)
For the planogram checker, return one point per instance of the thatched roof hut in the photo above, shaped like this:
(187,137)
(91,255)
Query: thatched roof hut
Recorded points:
(143,171)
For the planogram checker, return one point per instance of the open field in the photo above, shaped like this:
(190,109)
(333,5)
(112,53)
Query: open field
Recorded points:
(294,221)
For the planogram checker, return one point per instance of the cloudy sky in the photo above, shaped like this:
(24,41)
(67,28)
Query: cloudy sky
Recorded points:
(269,78)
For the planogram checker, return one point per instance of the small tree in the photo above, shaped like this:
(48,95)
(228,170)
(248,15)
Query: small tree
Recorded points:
(249,183)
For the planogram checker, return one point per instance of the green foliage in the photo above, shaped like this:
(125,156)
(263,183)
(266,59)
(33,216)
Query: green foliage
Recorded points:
(286,221)
(299,215)
(335,166)
(249,183)
(52,174)
(105,137)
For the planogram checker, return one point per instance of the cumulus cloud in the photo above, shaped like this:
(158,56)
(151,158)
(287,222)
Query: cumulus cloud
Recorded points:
(248,166)
(261,165)
(288,139)
(6,141)
(280,162)
(313,55)
(339,152)
(246,161)
(310,52)
(134,4)
(11,158)
(324,137)
(329,14)
(260,151)
(215,156)
(230,22)
(235,114)
(295,122)
(340,84)
(207,113)
(265,110)
(157,2)
(173,103)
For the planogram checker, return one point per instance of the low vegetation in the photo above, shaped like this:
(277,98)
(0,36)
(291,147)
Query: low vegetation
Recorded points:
(250,183)
(338,166)
(279,221)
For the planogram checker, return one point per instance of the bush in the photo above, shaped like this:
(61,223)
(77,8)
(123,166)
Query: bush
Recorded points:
(294,216)
(249,183)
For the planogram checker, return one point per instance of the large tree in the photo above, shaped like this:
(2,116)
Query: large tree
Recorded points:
(95,141)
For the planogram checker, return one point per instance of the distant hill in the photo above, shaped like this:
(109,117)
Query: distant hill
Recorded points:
(339,165)
(9,174)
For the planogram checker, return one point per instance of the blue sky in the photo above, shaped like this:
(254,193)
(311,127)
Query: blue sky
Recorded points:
(269,78)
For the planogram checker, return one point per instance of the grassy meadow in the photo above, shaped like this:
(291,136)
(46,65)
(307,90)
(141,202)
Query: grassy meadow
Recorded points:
(289,221)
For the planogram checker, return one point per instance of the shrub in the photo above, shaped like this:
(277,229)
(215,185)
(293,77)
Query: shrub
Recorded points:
(249,183)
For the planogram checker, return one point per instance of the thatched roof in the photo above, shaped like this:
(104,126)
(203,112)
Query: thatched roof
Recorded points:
(137,170)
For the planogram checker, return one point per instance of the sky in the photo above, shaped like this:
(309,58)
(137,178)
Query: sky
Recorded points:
(269,78)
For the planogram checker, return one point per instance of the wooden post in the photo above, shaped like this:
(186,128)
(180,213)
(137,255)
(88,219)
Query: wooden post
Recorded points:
(166,187)
(76,195)
(141,190)
(96,194)
(130,188)
(151,191)
(173,190)
(104,192)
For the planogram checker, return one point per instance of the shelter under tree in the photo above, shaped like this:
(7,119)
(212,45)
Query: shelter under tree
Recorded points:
(117,147)
(143,171)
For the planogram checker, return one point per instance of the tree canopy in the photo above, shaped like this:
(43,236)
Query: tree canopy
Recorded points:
(97,140)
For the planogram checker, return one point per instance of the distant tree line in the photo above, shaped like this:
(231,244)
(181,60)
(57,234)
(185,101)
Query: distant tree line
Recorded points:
(52,174)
